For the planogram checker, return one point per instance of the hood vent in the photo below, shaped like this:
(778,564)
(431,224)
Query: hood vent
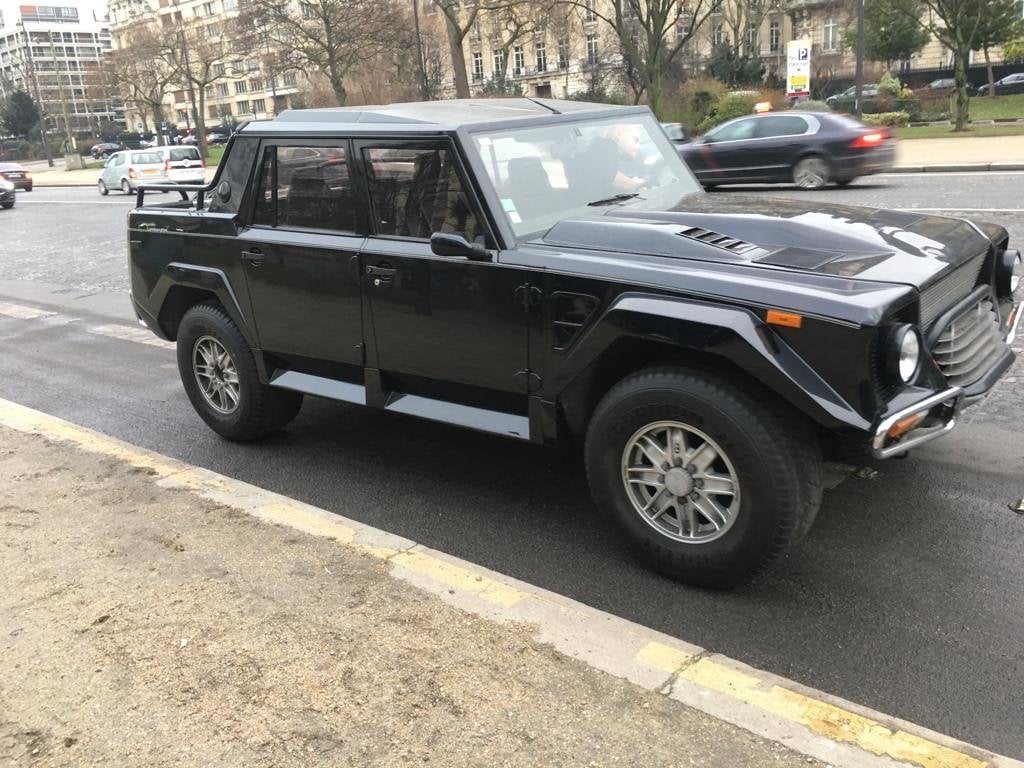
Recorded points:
(726,243)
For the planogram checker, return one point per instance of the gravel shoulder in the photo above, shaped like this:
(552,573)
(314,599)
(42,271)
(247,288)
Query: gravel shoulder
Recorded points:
(147,626)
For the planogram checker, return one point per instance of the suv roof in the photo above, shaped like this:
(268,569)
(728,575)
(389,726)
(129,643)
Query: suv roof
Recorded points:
(427,116)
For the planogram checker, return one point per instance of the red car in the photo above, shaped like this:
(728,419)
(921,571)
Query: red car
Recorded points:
(17,175)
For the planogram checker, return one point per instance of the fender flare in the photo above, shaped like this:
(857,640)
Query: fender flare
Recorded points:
(732,333)
(208,279)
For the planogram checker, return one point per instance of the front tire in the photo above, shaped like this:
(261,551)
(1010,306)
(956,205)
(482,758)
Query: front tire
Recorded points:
(102,188)
(7,206)
(219,374)
(710,482)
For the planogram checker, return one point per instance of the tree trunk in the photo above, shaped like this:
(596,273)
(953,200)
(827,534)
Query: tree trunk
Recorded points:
(654,90)
(991,77)
(960,79)
(337,81)
(200,117)
(158,121)
(458,58)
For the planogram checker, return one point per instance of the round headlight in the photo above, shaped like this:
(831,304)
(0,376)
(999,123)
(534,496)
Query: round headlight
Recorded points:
(904,353)
(1008,266)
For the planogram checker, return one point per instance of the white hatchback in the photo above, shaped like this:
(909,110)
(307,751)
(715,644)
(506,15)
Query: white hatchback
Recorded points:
(182,165)
(126,170)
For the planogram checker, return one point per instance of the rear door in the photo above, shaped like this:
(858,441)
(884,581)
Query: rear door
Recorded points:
(778,141)
(299,252)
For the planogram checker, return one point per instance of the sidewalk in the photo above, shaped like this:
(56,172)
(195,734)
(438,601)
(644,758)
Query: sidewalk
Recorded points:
(58,177)
(921,154)
(146,626)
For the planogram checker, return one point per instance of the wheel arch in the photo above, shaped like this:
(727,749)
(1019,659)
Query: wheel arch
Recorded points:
(641,331)
(182,286)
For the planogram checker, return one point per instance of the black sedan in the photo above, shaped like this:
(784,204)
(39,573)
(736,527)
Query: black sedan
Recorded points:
(809,149)
(17,175)
(105,150)
(1009,84)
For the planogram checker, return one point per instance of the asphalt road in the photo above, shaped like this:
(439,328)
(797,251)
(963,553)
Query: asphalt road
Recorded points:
(905,597)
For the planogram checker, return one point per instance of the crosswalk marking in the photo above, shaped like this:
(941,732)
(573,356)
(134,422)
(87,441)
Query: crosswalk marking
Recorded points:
(112,331)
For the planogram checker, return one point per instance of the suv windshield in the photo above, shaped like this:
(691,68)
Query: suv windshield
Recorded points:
(546,174)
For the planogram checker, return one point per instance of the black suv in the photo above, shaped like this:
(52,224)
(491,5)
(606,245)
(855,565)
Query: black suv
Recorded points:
(552,272)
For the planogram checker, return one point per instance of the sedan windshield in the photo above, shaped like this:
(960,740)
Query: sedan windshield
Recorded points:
(545,174)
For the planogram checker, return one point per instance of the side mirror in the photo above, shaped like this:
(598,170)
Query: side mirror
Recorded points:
(444,244)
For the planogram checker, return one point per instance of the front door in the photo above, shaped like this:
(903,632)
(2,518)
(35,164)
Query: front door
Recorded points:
(300,255)
(725,153)
(445,327)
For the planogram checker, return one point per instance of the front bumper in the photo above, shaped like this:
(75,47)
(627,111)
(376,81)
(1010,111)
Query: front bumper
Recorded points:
(936,415)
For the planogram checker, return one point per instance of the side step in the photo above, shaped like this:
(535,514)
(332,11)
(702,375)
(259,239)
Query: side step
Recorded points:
(481,419)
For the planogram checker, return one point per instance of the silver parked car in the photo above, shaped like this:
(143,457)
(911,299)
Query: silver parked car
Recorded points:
(182,165)
(126,170)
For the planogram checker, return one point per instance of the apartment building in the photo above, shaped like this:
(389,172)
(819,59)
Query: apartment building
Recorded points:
(245,85)
(52,52)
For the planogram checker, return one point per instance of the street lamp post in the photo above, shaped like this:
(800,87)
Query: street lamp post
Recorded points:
(858,107)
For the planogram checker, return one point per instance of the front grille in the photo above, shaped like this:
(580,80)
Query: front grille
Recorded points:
(970,344)
(950,289)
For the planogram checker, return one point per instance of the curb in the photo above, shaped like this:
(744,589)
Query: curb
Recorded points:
(807,721)
(957,168)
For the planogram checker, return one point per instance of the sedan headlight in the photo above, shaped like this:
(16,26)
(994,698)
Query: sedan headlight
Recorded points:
(904,353)
(1008,273)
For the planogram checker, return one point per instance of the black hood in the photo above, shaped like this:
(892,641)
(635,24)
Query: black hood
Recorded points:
(845,241)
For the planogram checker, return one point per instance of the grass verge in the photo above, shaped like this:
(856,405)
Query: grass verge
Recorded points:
(947,132)
(984,108)
(214,154)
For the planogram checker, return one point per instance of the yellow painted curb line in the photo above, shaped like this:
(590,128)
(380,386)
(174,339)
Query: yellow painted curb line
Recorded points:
(710,674)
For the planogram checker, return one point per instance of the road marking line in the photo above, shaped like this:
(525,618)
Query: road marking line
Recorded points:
(810,722)
(128,333)
(74,202)
(968,210)
(22,312)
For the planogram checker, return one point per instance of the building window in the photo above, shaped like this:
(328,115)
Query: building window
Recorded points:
(542,56)
(774,36)
(241,86)
(831,37)
(289,78)
(591,48)
(563,54)
(182,115)
(717,36)
(589,14)
(478,67)
(230,5)
(243,107)
(753,39)
(257,106)
(474,31)
(518,61)
(498,61)
(222,89)
(218,70)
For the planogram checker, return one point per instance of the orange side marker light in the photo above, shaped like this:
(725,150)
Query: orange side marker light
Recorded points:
(787,319)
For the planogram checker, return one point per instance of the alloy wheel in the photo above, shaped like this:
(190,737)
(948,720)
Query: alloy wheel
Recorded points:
(680,482)
(811,173)
(216,374)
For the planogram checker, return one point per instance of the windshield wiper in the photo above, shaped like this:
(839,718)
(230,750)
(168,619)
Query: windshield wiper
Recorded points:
(616,198)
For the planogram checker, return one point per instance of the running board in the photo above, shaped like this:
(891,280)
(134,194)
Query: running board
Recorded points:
(481,419)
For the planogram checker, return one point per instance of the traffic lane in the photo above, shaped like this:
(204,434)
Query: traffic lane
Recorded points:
(69,236)
(903,596)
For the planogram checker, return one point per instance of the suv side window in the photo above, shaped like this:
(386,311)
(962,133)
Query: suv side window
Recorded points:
(234,172)
(416,191)
(305,187)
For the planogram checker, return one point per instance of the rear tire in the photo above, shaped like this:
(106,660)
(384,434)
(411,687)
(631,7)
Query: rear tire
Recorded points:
(844,182)
(811,172)
(212,351)
(126,187)
(749,461)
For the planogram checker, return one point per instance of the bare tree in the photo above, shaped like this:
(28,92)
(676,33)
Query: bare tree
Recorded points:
(739,18)
(650,33)
(955,23)
(198,53)
(138,73)
(328,36)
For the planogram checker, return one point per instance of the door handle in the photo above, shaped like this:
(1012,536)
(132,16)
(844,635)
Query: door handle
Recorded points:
(381,273)
(253,257)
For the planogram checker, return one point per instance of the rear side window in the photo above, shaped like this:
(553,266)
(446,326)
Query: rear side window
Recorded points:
(184,153)
(146,158)
(417,191)
(781,125)
(305,187)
